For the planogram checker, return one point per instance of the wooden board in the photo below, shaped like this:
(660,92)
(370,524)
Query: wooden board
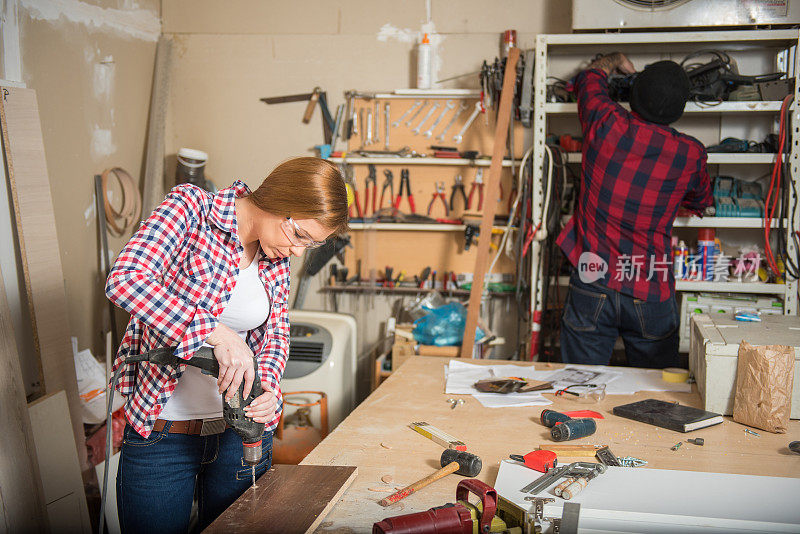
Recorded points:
(38,243)
(288,498)
(58,463)
(376,439)
(21,502)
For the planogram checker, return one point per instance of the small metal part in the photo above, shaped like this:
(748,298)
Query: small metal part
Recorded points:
(456,402)
(605,456)
(696,441)
(676,446)
(538,506)
(570,516)
(748,431)
(630,461)
(396,124)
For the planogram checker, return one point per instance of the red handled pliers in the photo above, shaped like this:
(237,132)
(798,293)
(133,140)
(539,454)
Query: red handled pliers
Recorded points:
(371,179)
(477,183)
(404,180)
(388,182)
(439,193)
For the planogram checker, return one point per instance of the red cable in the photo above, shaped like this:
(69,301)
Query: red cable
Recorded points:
(774,185)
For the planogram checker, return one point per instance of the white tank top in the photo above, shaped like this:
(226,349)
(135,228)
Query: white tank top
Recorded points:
(196,395)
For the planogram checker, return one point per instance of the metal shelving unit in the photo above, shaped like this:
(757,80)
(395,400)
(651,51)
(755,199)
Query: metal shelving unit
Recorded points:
(659,43)
(420,161)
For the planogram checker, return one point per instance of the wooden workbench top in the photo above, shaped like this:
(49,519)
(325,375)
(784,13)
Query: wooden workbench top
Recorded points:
(376,438)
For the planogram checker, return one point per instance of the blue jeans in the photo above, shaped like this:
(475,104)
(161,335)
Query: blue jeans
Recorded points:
(594,316)
(157,477)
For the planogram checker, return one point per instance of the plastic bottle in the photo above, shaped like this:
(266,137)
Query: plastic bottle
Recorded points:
(706,252)
(680,261)
(424,63)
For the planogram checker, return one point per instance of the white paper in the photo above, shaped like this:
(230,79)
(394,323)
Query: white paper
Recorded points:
(461,376)
(511,400)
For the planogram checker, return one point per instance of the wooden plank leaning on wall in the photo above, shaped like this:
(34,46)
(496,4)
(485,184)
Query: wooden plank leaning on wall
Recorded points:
(21,501)
(26,169)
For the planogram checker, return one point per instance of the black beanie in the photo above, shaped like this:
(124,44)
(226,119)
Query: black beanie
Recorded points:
(659,93)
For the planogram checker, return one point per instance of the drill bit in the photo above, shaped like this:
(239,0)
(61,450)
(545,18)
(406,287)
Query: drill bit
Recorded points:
(253,472)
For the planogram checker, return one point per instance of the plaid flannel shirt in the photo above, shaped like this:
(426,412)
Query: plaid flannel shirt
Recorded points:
(635,176)
(175,277)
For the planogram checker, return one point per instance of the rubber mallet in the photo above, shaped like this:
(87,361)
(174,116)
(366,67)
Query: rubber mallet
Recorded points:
(452,461)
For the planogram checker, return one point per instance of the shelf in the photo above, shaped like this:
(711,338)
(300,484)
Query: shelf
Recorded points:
(713,158)
(403,227)
(723,222)
(406,291)
(420,161)
(718,287)
(663,38)
(691,107)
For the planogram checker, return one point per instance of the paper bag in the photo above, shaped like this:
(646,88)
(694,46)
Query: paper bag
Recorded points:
(764,378)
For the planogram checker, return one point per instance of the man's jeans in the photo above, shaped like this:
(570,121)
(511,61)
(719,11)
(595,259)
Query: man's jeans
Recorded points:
(157,475)
(594,316)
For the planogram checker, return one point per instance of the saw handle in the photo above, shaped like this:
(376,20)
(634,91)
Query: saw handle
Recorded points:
(487,494)
(452,467)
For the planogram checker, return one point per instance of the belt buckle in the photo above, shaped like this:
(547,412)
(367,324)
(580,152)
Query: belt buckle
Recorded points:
(212,426)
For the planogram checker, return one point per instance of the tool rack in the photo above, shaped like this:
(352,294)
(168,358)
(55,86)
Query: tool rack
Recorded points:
(561,55)
(413,246)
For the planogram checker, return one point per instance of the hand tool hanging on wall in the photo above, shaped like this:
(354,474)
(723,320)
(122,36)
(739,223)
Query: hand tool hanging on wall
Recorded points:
(371,179)
(526,97)
(477,184)
(460,135)
(347,131)
(396,124)
(427,116)
(386,114)
(416,114)
(317,95)
(404,180)
(439,193)
(388,182)
(458,187)
(461,107)
(369,139)
(447,107)
(377,117)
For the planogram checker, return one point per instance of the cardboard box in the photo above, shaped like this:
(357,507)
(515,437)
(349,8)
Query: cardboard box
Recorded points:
(713,354)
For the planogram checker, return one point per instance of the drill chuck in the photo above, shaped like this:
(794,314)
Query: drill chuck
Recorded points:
(573,429)
(252,452)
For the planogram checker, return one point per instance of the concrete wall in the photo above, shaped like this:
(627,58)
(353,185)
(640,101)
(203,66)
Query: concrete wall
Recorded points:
(91,64)
(228,55)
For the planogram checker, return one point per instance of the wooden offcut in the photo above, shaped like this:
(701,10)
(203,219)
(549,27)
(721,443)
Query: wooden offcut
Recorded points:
(492,188)
(21,502)
(153,187)
(26,169)
(288,498)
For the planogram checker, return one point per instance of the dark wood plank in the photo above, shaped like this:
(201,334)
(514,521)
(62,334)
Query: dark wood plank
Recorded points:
(287,499)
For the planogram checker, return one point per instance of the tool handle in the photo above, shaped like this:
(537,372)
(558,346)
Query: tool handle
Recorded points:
(575,488)
(452,467)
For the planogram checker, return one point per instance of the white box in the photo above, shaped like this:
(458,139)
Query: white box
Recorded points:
(715,348)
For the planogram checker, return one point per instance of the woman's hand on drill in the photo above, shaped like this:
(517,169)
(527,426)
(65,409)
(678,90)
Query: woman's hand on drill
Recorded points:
(235,361)
(262,409)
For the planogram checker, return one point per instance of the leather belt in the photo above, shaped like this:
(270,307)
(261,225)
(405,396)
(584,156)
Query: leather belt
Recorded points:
(193,427)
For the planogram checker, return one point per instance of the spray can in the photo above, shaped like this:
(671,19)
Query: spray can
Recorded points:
(706,253)
(680,261)
(424,63)
(573,429)
(509,42)
(191,167)
(551,417)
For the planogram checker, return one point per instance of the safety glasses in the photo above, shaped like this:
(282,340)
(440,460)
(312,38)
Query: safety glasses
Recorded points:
(297,235)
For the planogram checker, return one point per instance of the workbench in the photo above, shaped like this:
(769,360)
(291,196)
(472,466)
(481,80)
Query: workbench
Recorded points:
(376,438)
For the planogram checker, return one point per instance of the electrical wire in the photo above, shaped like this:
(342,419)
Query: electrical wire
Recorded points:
(774,187)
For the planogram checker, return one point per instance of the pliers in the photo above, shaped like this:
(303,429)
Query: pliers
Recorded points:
(458,185)
(348,173)
(439,193)
(477,183)
(370,179)
(404,180)
(388,182)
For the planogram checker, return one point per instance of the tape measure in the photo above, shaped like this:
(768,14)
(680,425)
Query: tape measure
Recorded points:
(674,375)
(350,195)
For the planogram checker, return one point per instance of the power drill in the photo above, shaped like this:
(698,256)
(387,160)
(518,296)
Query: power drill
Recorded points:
(232,410)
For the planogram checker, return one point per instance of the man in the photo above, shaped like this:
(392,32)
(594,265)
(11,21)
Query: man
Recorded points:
(636,173)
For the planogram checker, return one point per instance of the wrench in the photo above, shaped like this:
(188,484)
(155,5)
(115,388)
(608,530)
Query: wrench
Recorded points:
(467,124)
(396,124)
(377,117)
(369,140)
(427,116)
(386,125)
(415,115)
(356,131)
(456,115)
(450,105)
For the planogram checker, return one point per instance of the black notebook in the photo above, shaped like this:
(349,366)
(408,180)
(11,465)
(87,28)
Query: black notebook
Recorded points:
(668,415)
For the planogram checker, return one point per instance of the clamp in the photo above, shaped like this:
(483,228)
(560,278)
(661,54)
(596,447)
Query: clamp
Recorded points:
(388,182)
(371,178)
(458,185)
(404,180)
(477,183)
(439,193)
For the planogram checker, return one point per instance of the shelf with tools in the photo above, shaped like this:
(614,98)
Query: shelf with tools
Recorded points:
(430,128)
(560,58)
(362,288)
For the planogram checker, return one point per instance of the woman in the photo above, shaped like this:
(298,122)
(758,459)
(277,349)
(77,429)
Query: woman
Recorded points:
(211,270)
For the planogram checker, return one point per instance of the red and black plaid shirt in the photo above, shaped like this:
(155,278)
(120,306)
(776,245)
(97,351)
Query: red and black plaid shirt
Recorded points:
(635,176)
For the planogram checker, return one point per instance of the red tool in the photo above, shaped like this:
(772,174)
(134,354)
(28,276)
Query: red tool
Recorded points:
(404,180)
(357,202)
(439,193)
(540,460)
(477,183)
(371,179)
(458,187)
(388,182)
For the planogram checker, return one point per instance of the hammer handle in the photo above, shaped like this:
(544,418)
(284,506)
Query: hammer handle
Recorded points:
(452,467)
